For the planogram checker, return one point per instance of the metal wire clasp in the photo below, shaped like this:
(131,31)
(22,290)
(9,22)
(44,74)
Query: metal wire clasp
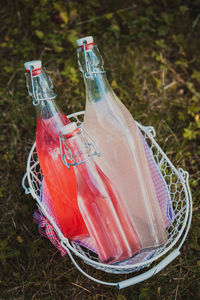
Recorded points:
(89,72)
(35,99)
(67,155)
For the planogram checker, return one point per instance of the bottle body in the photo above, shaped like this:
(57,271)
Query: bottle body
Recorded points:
(61,183)
(107,221)
(123,161)
(160,185)
(123,158)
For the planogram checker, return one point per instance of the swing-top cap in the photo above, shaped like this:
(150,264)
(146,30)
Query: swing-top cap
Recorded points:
(69,128)
(36,64)
(87,39)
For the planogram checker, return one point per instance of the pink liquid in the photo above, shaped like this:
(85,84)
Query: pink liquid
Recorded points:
(60,181)
(106,220)
(163,198)
(124,162)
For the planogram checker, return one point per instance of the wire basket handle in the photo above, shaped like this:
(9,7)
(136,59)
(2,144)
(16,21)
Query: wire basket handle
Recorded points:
(148,274)
(133,280)
(26,190)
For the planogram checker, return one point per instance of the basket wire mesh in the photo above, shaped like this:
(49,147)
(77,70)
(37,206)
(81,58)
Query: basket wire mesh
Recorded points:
(177,182)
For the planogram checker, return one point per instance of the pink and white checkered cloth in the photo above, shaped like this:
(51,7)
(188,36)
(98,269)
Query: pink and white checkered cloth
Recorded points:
(160,185)
(46,230)
(162,195)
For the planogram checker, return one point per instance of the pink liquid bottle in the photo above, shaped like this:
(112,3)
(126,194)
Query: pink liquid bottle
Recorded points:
(105,218)
(61,183)
(123,159)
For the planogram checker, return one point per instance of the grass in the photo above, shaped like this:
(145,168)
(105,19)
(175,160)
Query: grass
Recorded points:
(151,52)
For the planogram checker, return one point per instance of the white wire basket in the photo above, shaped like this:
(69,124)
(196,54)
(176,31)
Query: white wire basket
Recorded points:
(178,186)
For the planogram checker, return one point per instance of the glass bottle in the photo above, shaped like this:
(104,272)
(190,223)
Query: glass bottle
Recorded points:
(61,184)
(118,139)
(107,221)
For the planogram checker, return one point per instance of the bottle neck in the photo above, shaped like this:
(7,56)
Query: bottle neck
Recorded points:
(91,65)
(97,87)
(46,109)
(40,87)
(78,146)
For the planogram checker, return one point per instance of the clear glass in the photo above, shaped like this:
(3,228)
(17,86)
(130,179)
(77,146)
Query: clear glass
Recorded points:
(99,203)
(123,159)
(61,182)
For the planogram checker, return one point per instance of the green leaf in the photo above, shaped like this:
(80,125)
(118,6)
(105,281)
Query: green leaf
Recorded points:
(72,37)
(71,73)
(196,21)
(109,16)
(183,9)
(161,43)
(196,75)
(39,34)
(64,17)
(120,297)
(58,48)
(114,84)
(189,134)
(8,69)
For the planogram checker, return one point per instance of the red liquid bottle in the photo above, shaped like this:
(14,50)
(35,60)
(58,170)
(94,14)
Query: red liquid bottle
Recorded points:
(61,183)
(98,200)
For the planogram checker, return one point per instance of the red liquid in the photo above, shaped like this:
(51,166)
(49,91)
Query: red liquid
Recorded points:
(107,221)
(60,181)
(128,229)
